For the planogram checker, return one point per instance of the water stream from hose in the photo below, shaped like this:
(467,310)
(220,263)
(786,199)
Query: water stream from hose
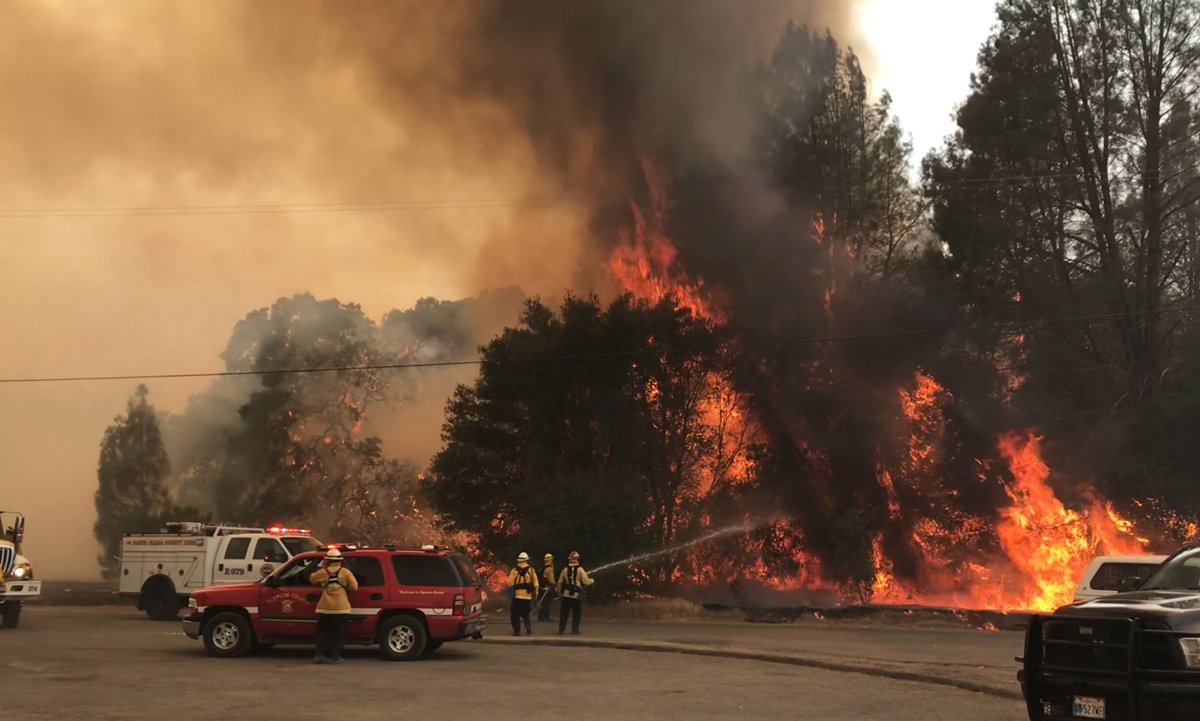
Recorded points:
(720,533)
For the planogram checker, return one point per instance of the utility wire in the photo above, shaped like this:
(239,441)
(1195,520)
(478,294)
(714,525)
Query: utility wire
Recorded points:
(1014,327)
(494,203)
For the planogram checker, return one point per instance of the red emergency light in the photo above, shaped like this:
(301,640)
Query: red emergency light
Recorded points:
(281,530)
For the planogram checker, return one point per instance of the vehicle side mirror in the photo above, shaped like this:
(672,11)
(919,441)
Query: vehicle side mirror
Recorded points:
(1129,583)
(270,581)
(18,530)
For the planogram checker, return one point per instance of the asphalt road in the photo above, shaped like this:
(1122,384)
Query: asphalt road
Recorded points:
(111,663)
(994,649)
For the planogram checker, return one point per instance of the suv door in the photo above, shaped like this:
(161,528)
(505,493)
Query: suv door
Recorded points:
(367,601)
(287,601)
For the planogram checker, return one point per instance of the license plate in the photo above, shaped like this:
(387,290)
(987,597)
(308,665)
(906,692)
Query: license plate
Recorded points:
(1087,707)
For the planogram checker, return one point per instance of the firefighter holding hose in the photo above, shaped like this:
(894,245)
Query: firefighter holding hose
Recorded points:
(523,583)
(571,584)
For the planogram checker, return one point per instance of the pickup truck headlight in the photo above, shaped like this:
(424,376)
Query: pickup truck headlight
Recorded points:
(192,605)
(1191,651)
(23,570)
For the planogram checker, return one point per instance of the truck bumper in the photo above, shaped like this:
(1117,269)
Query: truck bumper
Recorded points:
(1119,670)
(1144,701)
(20,590)
(192,626)
(473,628)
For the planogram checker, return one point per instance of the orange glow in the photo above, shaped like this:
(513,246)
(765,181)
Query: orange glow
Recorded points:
(1027,554)
(645,262)
(1047,542)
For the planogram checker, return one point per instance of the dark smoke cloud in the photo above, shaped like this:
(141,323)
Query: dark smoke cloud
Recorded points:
(154,104)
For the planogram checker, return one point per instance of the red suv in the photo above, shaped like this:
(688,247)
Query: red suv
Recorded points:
(409,601)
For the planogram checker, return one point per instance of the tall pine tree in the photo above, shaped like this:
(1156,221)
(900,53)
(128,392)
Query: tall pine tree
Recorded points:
(132,496)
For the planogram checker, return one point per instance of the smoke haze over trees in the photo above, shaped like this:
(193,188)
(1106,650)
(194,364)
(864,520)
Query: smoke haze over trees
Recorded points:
(1072,189)
(731,168)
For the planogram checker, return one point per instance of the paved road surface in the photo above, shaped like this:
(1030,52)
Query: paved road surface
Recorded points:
(111,663)
(994,649)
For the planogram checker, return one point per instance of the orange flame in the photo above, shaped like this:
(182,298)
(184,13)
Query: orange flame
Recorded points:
(645,262)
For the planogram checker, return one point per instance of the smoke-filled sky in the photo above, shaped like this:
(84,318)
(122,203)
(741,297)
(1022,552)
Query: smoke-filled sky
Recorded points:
(239,142)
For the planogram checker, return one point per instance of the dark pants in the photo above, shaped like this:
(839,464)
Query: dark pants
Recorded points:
(331,634)
(544,609)
(520,614)
(571,606)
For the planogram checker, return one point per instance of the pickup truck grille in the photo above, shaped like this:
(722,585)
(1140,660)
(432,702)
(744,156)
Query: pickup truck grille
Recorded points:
(1086,645)
(8,558)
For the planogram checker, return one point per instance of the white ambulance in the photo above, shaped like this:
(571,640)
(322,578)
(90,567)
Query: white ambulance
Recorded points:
(162,569)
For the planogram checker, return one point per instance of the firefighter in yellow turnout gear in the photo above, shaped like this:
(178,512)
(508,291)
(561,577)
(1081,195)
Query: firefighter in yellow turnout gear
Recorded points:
(571,583)
(333,610)
(523,581)
(549,580)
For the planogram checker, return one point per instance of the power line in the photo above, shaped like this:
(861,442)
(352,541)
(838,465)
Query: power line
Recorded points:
(276,208)
(495,203)
(1014,327)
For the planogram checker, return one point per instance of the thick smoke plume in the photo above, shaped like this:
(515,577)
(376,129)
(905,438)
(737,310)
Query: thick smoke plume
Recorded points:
(222,105)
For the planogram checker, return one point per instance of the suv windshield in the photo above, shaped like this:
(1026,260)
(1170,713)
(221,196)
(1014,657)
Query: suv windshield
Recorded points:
(300,544)
(1180,573)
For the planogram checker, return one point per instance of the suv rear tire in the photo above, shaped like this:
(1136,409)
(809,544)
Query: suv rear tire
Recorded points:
(228,635)
(11,611)
(402,638)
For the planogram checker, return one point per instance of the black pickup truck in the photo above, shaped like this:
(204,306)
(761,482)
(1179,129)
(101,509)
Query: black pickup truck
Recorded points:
(1133,656)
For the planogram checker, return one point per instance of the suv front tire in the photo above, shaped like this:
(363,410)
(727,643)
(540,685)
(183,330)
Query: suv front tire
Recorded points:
(227,635)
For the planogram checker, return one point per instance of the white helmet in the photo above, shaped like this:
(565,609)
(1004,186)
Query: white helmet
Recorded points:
(522,556)
(333,555)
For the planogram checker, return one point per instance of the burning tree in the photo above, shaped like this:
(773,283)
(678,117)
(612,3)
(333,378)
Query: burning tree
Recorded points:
(597,427)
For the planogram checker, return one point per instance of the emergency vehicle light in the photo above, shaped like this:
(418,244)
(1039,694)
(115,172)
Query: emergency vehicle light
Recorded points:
(280,530)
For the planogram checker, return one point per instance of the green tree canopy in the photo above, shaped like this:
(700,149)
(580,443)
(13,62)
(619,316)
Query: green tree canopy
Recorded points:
(132,496)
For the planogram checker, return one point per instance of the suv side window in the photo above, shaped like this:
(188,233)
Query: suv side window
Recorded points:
(270,550)
(236,549)
(366,569)
(425,571)
(297,574)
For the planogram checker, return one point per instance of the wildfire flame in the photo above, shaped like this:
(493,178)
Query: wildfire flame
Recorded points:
(645,262)
(1026,555)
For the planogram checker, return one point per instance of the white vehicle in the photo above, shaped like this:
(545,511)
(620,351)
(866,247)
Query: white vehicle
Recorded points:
(15,570)
(162,569)
(1107,575)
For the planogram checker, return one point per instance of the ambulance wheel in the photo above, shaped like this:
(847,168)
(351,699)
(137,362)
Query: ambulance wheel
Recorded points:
(159,600)
(402,638)
(227,635)
(431,646)
(11,611)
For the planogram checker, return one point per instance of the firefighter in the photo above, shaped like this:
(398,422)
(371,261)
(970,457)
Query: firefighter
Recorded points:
(549,580)
(333,610)
(571,583)
(523,581)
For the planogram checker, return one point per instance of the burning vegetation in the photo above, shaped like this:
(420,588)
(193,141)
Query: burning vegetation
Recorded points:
(845,384)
